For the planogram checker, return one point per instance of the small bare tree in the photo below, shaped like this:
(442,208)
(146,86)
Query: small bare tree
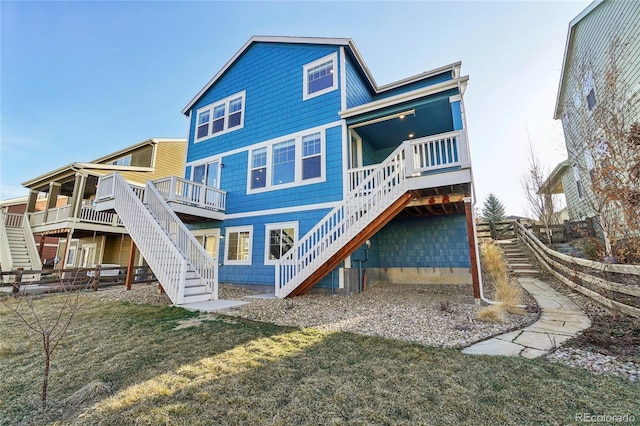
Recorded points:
(51,329)
(532,181)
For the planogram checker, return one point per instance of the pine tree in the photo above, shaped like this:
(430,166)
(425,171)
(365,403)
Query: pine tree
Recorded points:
(493,210)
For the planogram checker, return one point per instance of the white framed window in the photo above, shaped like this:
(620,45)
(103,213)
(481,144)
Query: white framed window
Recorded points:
(88,255)
(285,162)
(220,117)
(279,239)
(320,76)
(576,176)
(210,240)
(237,245)
(207,173)
(122,161)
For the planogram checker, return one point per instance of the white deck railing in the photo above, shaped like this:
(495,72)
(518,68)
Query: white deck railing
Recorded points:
(427,154)
(175,189)
(383,186)
(90,214)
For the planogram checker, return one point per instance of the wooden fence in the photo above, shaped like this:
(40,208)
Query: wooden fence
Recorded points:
(615,286)
(559,233)
(55,280)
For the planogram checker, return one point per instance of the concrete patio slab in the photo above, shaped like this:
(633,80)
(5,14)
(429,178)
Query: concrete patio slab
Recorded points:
(212,305)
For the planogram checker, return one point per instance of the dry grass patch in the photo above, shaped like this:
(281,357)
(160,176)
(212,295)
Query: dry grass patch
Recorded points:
(507,293)
(140,370)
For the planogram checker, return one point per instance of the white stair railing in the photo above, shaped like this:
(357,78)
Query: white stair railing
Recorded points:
(6,262)
(378,190)
(34,256)
(162,255)
(184,240)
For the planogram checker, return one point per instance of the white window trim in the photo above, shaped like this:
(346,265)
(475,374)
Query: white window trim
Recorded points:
(210,160)
(211,107)
(231,230)
(298,181)
(122,161)
(279,225)
(305,76)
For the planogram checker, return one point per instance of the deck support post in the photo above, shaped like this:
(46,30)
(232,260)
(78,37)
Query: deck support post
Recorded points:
(63,261)
(132,255)
(473,245)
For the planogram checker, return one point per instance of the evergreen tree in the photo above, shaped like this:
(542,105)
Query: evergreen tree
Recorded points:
(493,210)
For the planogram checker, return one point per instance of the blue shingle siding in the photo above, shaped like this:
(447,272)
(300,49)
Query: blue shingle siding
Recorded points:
(438,78)
(438,241)
(272,75)
(258,273)
(358,92)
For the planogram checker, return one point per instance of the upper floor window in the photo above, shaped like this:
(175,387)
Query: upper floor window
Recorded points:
(296,160)
(320,76)
(588,90)
(122,161)
(220,117)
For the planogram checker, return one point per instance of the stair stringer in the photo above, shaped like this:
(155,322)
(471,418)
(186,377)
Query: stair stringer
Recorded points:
(353,245)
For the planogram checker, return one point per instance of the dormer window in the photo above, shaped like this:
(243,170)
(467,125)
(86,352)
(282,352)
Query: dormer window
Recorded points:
(320,77)
(221,117)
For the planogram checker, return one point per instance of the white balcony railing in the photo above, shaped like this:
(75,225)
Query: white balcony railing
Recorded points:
(178,190)
(425,155)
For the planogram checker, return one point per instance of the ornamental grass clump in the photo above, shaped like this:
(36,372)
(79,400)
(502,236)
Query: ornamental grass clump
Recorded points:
(507,294)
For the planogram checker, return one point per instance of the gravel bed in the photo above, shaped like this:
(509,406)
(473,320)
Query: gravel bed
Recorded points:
(596,363)
(433,315)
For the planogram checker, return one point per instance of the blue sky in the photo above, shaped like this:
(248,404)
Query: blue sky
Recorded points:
(79,80)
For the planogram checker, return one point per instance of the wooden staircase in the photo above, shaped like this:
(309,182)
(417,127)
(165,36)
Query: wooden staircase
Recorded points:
(517,260)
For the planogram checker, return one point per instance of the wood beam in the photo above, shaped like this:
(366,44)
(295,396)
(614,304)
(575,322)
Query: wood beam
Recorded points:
(130,266)
(475,275)
(437,199)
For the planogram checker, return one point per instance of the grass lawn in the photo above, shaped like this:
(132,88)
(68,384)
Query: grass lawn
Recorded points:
(229,371)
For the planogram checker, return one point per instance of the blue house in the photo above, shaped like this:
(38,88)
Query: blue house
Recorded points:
(303,173)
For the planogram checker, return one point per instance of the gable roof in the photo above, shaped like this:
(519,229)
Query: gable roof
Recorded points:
(100,164)
(567,49)
(345,42)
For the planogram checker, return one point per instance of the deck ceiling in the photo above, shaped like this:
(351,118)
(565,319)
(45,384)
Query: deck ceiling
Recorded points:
(427,119)
(442,200)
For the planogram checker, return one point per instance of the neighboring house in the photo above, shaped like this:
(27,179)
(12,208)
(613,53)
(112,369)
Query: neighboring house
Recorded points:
(309,173)
(587,68)
(14,210)
(61,202)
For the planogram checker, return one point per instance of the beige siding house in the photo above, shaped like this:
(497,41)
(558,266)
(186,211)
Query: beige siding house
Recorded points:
(602,41)
(86,236)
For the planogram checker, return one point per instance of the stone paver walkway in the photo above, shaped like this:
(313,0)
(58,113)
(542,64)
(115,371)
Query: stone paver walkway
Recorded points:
(560,319)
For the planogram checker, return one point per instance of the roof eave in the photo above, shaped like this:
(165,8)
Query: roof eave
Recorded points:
(264,39)
(567,49)
(403,97)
